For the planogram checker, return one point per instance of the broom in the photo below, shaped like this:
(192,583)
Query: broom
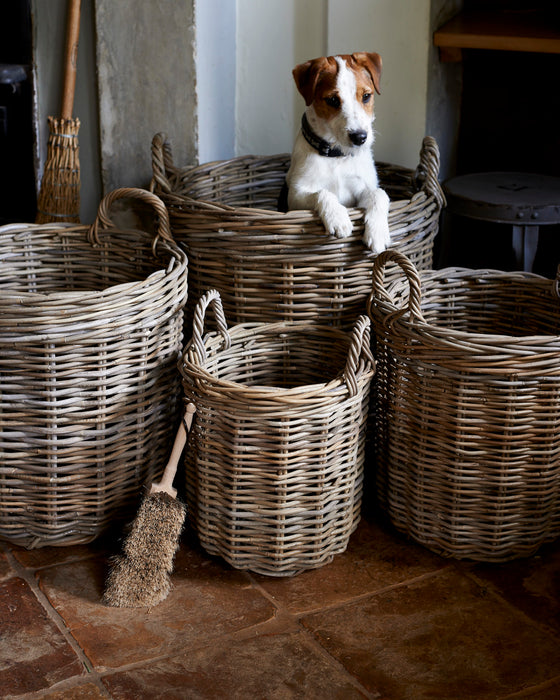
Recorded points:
(140,576)
(59,195)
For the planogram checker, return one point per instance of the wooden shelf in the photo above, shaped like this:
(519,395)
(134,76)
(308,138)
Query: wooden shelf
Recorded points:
(528,30)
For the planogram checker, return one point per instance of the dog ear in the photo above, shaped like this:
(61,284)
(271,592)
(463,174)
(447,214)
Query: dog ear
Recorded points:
(306,76)
(373,64)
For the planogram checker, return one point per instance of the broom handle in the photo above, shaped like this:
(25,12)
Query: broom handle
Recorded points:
(70,58)
(166,483)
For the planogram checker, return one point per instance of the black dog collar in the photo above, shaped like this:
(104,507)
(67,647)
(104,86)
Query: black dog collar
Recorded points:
(316,142)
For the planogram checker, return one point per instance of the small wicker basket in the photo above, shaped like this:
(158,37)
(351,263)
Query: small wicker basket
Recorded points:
(90,334)
(467,408)
(275,465)
(271,266)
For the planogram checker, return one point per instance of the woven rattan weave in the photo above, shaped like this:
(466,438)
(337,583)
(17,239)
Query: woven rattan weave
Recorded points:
(467,408)
(269,265)
(275,465)
(90,335)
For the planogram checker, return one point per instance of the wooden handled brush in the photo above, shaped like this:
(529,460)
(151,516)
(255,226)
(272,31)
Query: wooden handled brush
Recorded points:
(166,483)
(140,576)
(59,195)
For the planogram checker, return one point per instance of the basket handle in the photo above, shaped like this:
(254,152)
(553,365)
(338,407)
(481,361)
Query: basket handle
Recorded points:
(212,297)
(162,162)
(427,171)
(411,274)
(103,219)
(359,346)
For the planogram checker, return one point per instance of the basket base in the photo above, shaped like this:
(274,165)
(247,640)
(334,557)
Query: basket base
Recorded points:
(468,550)
(283,566)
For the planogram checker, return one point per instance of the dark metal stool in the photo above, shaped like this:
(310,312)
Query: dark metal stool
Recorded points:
(525,201)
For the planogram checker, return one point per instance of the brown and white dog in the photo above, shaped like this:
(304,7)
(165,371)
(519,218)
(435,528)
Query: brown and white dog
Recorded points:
(332,162)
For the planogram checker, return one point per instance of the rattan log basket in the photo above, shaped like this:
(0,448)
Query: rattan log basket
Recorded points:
(275,466)
(91,326)
(269,265)
(467,408)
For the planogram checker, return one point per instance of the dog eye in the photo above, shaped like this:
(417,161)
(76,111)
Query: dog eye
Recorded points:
(333,101)
(366,97)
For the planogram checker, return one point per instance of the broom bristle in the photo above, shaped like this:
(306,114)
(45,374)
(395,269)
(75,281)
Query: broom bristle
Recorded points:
(140,577)
(59,196)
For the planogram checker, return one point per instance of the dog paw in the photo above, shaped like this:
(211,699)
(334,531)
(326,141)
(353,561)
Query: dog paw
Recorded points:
(337,221)
(377,236)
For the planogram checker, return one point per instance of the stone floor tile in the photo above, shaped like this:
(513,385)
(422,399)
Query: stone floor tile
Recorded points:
(548,691)
(279,666)
(49,556)
(83,691)
(531,584)
(34,655)
(439,637)
(5,568)
(375,559)
(208,599)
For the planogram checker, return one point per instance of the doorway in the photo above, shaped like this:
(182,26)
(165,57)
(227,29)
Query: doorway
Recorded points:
(18,199)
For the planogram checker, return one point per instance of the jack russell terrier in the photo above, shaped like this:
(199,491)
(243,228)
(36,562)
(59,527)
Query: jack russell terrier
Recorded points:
(332,163)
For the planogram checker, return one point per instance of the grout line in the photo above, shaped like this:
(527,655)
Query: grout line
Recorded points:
(75,683)
(530,691)
(287,622)
(28,575)
(495,593)
(356,598)
(320,649)
(314,643)
(71,560)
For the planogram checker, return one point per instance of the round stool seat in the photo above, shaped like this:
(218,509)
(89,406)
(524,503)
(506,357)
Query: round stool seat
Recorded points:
(523,200)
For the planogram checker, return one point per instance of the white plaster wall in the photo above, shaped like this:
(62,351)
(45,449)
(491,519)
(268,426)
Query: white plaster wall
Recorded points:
(272,36)
(275,35)
(215,64)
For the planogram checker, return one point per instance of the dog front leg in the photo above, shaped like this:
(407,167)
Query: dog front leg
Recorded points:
(332,213)
(377,236)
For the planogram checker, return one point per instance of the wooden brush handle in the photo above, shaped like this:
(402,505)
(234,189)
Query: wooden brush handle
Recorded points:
(70,58)
(166,483)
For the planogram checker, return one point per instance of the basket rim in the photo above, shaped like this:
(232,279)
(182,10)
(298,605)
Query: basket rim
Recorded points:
(176,266)
(240,333)
(439,333)
(210,208)
(166,177)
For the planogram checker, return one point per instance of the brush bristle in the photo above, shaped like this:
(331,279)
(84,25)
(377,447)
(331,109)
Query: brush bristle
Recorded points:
(140,577)
(130,587)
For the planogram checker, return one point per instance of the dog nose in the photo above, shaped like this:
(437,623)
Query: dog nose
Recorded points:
(357,137)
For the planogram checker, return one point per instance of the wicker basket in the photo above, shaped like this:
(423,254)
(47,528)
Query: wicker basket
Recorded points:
(271,266)
(90,336)
(275,465)
(467,408)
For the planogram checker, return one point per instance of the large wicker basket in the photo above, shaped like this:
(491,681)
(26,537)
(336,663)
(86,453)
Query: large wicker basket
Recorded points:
(268,265)
(275,465)
(467,408)
(90,335)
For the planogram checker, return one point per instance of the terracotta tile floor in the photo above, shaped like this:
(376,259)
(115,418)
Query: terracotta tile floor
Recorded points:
(386,619)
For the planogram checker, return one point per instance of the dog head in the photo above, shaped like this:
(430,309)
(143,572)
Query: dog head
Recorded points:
(338,93)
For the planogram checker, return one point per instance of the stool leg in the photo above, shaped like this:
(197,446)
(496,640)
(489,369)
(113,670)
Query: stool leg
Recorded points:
(525,240)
